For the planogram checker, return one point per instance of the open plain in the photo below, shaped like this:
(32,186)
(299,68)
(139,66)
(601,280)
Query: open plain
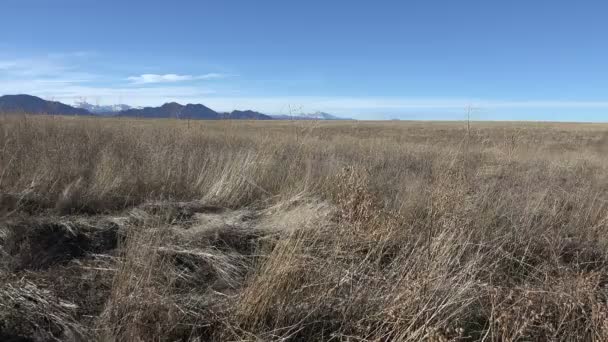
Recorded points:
(121,229)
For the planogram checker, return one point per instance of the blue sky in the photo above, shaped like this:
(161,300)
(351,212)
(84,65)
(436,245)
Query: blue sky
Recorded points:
(427,59)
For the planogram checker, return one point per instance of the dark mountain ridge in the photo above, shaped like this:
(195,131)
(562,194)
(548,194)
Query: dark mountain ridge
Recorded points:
(173,110)
(247,115)
(34,105)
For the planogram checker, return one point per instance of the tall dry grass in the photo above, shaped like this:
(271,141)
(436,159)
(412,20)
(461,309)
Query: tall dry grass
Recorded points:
(360,231)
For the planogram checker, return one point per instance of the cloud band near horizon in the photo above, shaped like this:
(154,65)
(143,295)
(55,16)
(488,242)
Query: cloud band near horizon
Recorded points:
(57,77)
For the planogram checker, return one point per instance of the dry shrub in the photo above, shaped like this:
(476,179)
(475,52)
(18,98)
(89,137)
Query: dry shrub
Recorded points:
(30,313)
(202,266)
(568,307)
(41,243)
(139,306)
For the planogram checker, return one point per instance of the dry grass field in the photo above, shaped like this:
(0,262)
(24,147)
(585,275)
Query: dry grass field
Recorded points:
(167,230)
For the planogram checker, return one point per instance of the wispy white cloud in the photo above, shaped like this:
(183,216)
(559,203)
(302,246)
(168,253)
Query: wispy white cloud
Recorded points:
(59,66)
(155,78)
(171,78)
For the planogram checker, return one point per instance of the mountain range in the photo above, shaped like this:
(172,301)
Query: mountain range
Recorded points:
(34,105)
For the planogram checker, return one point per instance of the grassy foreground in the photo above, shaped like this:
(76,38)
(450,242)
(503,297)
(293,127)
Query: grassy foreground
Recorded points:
(164,230)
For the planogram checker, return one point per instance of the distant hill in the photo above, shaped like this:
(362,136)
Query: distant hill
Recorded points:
(246,115)
(309,116)
(323,116)
(34,105)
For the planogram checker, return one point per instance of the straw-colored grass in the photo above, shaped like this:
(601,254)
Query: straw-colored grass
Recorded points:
(341,231)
